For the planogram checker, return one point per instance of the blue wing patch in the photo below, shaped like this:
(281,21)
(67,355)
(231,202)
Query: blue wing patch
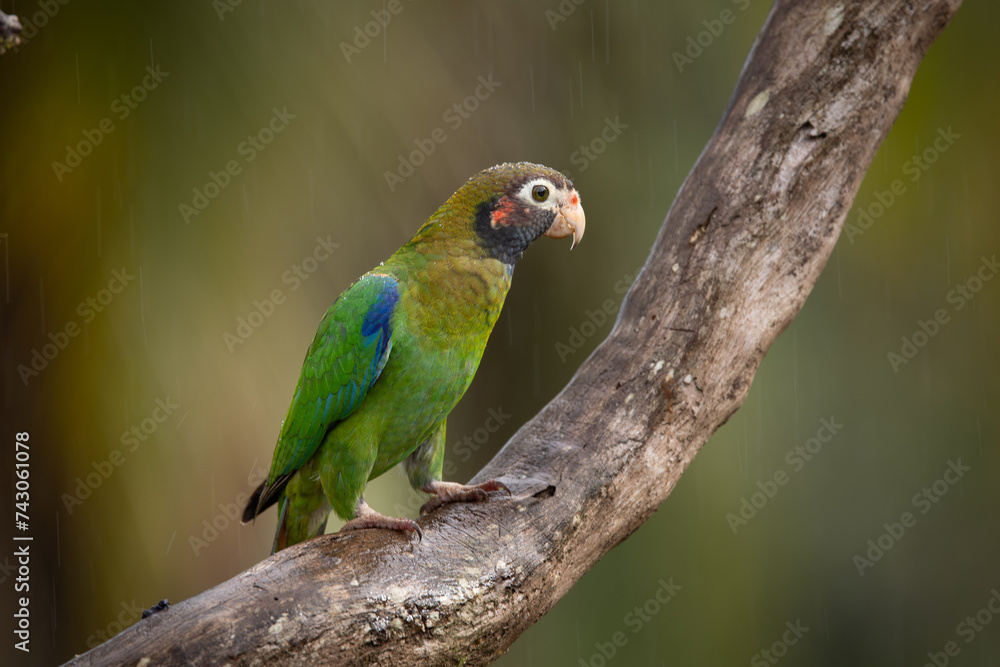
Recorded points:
(346,358)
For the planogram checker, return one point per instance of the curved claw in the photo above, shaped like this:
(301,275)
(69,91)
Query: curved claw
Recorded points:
(450,492)
(496,485)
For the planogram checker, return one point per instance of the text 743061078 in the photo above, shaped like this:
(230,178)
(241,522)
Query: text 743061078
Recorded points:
(21,553)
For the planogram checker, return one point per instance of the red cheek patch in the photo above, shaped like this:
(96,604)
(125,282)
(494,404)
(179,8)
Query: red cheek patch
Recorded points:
(502,213)
(575,200)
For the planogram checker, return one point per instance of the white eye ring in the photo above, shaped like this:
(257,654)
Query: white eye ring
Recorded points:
(528,191)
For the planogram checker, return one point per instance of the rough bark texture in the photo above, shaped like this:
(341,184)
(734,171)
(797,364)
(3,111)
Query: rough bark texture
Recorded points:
(744,243)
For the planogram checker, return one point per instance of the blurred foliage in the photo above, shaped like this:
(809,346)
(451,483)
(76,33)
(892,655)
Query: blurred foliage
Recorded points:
(222,77)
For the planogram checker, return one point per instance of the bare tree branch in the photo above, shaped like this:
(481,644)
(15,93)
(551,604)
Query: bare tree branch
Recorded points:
(744,243)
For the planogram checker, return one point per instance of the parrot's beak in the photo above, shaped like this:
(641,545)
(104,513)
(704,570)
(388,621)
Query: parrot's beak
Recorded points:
(569,221)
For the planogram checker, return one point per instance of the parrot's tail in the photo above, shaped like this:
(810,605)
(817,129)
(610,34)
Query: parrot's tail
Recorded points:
(263,497)
(299,518)
(301,522)
(250,511)
(281,535)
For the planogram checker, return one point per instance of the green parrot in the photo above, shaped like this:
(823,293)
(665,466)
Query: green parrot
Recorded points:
(397,350)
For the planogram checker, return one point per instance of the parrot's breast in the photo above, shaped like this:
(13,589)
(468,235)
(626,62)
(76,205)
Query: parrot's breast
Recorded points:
(439,332)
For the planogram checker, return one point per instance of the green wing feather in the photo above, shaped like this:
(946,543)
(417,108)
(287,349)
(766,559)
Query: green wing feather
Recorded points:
(345,359)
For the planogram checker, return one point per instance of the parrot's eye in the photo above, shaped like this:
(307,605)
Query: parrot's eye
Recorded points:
(539,193)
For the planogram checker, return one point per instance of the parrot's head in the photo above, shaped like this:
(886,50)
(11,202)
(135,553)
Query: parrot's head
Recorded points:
(515,203)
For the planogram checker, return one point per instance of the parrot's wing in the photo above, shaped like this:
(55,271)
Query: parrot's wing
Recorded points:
(345,359)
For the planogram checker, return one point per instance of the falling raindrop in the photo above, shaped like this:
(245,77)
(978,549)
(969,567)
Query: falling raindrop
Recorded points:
(142,310)
(312,190)
(676,162)
(6,263)
(510,328)
(840,293)
(652,189)
(607,32)
(746,447)
(947,260)
(536,356)
(795,373)
(531,76)
(979,431)
(593,55)
(170,543)
(475,36)
(571,97)
(41,290)
(54,619)
(636,143)
(99,223)
(489,41)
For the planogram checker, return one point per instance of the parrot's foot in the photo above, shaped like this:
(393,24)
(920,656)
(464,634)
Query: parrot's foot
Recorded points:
(450,492)
(369,518)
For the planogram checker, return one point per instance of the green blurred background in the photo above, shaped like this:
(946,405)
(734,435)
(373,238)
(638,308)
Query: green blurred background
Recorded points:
(145,532)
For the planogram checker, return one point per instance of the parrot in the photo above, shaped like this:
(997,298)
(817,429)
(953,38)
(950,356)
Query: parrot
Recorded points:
(397,350)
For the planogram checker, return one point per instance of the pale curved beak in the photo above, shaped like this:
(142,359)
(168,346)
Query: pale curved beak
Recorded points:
(569,221)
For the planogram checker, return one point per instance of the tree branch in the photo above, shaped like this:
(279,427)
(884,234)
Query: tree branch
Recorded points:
(744,243)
